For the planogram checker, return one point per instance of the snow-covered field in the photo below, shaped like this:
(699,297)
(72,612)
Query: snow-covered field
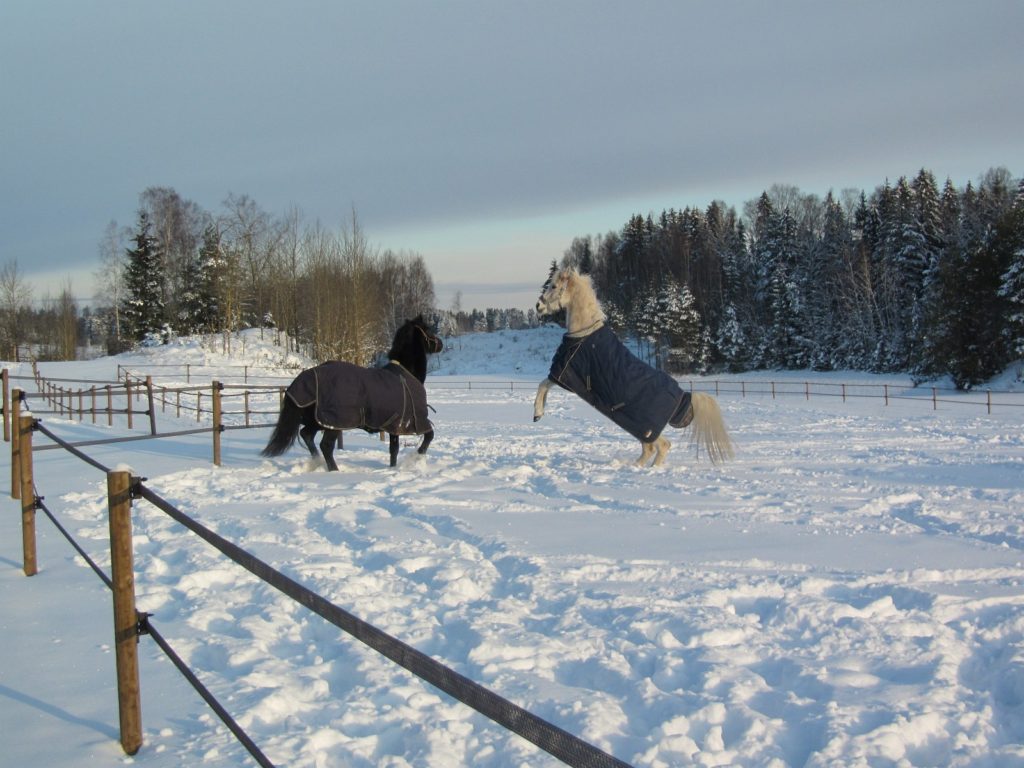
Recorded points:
(847,592)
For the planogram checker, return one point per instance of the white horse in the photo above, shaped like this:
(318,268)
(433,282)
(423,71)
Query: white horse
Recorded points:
(585,320)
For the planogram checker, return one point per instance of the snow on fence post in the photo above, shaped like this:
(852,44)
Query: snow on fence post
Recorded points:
(149,401)
(126,621)
(217,387)
(15,445)
(26,424)
(6,377)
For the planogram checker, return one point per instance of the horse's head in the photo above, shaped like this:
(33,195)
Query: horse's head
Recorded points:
(413,342)
(431,341)
(556,295)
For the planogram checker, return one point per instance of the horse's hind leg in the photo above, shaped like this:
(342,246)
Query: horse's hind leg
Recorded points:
(307,434)
(661,447)
(393,449)
(330,439)
(427,437)
(658,450)
(646,451)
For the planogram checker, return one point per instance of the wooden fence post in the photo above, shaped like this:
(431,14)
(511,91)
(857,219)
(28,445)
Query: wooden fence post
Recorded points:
(149,400)
(6,405)
(217,387)
(128,398)
(15,445)
(28,495)
(126,622)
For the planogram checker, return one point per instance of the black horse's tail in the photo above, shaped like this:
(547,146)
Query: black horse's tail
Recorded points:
(286,429)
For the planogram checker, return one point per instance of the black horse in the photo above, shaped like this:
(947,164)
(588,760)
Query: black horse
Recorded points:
(337,395)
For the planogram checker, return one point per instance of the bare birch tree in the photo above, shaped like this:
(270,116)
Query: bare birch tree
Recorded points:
(15,306)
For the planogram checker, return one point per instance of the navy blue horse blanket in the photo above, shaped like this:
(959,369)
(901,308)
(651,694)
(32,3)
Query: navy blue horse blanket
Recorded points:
(637,397)
(348,396)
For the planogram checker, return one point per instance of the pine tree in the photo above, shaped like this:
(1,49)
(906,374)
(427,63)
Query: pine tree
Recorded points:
(1012,288)
(681,327)
(209,313)
(143,308)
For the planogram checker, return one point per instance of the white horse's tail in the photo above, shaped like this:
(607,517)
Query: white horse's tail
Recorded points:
(709,428)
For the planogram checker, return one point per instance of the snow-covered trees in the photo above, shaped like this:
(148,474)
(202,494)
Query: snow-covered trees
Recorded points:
(1012,288)
(142,311)
(908,279)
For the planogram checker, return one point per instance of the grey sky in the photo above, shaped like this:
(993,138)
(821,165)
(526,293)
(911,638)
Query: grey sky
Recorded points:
(483,135)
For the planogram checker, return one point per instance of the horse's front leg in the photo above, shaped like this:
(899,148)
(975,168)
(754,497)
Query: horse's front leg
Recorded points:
(393,449)
(541,399)
(327,444)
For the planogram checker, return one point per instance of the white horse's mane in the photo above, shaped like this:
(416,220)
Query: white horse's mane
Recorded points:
(583,310)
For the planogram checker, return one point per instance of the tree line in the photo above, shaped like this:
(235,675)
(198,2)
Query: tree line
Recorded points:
(911,278)
(184,271)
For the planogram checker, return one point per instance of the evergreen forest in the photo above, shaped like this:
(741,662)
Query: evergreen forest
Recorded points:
(911,278)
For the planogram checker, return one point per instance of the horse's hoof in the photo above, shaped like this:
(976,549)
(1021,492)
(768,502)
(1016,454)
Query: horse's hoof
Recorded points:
(536,418)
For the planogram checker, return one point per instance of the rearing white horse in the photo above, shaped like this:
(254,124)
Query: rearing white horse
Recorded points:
(594,364)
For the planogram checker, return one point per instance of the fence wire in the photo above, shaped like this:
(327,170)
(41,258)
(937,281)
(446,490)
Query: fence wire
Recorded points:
(568,748)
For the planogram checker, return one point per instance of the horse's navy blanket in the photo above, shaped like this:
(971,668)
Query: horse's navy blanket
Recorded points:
(637,397)
(347,396)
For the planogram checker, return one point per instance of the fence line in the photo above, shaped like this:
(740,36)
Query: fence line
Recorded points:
(134,388)
(129,623)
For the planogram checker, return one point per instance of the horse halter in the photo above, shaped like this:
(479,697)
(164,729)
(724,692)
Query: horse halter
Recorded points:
(434,343)
(555,303)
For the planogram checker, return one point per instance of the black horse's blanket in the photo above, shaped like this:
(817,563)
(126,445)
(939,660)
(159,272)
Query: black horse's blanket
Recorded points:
(637,397)
(347,396)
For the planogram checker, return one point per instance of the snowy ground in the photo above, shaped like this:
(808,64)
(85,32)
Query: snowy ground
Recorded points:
(847,592)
